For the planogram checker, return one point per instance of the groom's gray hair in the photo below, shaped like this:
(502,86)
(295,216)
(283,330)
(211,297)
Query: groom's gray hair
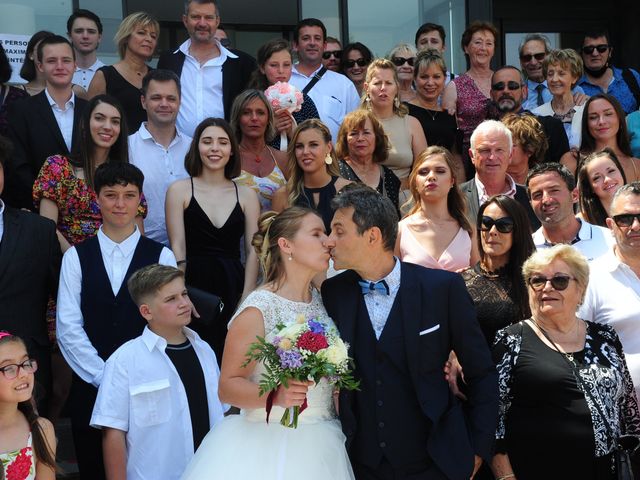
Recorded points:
(370,209)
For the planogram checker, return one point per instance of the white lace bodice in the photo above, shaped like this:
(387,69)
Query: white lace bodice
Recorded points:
(278,310)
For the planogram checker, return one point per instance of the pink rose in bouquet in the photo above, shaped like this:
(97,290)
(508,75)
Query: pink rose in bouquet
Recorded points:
(284,95)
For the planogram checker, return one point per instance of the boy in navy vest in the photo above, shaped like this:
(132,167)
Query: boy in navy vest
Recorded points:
(95,313)
(159,389)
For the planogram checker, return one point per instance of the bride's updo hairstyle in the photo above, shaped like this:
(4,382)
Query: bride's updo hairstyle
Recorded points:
(271,227)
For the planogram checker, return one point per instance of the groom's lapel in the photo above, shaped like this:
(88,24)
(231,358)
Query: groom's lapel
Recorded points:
(349,307)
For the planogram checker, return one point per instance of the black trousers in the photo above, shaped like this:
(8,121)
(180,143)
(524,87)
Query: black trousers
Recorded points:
(87,440)
(386,471)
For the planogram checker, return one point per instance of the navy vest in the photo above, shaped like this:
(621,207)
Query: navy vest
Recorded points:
(111,320)
(390,422)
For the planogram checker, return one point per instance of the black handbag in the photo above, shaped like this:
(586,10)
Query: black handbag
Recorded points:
(208,305)
(626,446)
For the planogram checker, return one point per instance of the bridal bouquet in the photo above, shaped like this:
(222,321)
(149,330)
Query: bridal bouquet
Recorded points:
(284,95)
(308,349)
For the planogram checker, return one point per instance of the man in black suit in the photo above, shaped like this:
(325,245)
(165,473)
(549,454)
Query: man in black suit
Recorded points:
(45,124)
(508,91)
(29,267)
(402,321)
(490,152)
(211,75)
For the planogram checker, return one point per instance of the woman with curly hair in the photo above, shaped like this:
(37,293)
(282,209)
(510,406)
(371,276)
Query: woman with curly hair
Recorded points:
(529,144)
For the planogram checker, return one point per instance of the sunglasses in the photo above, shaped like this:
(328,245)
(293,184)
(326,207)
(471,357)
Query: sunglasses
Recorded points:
(399,61)
(588,50)
(625,220)
(332,53)
(503,225)
(538,56)
(498,87)
(361,62)
(559,282)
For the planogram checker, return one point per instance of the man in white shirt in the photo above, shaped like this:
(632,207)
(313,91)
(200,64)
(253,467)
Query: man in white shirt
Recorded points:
(45,124)
(95,313)
(208,89)
(613,294)
(333,93)
(553,193)
(158,148)
(84,29)
(490,152)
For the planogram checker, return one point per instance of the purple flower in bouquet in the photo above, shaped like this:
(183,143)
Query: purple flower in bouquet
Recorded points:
(316,327)
(290,358)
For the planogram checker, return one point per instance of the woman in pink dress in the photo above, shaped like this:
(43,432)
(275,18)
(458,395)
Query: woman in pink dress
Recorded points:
(436,233)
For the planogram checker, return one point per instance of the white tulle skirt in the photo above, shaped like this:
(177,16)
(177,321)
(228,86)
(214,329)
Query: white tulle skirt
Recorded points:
(243,448)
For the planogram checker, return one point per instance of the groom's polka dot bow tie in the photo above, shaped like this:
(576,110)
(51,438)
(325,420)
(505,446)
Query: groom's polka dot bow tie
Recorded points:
(368,287)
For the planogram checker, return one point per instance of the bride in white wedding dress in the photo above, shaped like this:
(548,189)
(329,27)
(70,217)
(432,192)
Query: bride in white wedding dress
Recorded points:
(242,447)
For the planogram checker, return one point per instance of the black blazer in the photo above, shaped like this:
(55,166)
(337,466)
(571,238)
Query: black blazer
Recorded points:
(30,259)
(438,316)
(236,73)
(35,135)
(470,191)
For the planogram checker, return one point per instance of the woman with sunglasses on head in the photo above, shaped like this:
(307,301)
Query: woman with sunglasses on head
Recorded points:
(495,282)
(355,59)
(405,133)
(275,63)
(600,175)
(436,232)
(468,95)
(566,395)
(403,57)
(604,125)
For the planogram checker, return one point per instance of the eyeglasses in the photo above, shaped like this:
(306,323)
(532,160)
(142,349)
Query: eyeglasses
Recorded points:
(332,53)
(538,56)
(559,282)
(625,220)
(11,371)
(361,62)
(499,86)
(399,61)
(588,49)
(503,225)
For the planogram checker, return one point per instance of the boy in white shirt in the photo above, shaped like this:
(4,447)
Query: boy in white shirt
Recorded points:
(159,394)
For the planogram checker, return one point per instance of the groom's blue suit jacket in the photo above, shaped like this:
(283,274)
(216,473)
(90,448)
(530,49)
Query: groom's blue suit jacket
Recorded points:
(437,315)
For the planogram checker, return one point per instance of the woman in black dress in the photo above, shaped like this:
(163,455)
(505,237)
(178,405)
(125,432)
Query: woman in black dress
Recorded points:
(566,394)
(362,146)
(136,38)
(207,215)
(495,283)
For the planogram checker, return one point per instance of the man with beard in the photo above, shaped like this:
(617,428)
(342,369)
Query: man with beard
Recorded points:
(600,76)
(533,50)
(211,76)
(553,193)
(508,91)
(332,54)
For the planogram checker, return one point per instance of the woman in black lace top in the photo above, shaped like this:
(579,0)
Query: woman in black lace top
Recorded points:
(495,282)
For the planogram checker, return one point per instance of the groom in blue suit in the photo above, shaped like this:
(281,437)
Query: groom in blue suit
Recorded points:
(402,321)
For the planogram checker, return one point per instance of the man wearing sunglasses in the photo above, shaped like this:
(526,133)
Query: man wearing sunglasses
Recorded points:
(508,91)
(533,50)
(332,55)
(600,76)
(613,294)
(333,93)
(553,194)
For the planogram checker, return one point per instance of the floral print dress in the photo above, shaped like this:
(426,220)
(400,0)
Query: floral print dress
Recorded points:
(19,465)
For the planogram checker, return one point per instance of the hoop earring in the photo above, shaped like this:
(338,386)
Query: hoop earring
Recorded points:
(328,159)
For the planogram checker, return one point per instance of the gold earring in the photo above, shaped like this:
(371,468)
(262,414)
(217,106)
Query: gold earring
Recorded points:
(328,159)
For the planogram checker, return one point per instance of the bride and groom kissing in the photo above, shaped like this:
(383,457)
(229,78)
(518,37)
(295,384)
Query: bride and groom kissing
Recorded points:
(401,322)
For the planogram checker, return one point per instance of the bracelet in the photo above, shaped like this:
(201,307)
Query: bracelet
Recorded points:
(504,477)
(181,262)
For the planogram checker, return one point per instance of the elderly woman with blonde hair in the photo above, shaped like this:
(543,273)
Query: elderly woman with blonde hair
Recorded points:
(403,57)
(562,69)
(136,40)
(529,144)
(566,395)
